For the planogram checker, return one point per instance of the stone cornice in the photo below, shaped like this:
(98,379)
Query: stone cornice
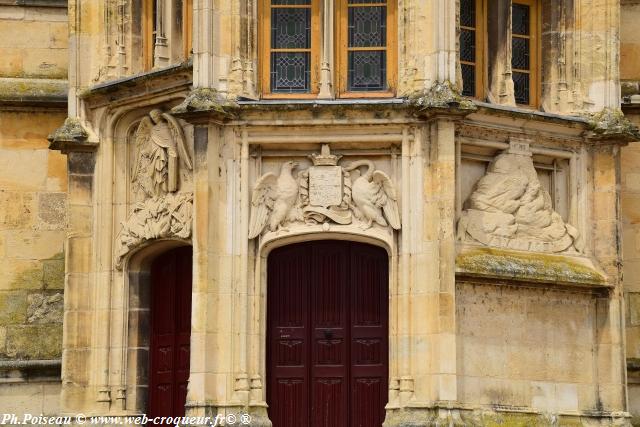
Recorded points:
(33,92)
(160,81)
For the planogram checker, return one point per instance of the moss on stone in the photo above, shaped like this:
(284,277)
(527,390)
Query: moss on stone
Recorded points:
(30,88)
(53,274)
(535,267)
(13,307)
(611,123)
(205,99)
(30,278)
(70,131)
(442,95)
(34,341)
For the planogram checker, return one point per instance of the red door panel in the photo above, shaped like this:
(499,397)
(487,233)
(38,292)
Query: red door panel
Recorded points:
(170,333)
(327,335)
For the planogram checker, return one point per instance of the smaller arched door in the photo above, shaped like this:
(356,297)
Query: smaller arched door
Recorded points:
(327,334)
(170,328)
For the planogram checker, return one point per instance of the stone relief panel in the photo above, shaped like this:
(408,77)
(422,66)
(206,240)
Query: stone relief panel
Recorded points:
(510,208)
(161,180)
(356,193)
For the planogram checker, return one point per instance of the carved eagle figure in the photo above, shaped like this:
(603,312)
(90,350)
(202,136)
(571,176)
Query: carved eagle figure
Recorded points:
(374,196)
(273,198)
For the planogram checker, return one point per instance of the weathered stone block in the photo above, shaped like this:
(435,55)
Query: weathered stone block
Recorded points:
(53,273)
(16,209)
(13,307)
(20,274)
(52,210)
(34,341)
(33,169)
(37,245)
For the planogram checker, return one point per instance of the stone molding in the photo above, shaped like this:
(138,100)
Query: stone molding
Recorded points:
(163,210)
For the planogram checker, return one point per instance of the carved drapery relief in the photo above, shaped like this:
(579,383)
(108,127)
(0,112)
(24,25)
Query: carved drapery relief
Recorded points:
(162,209)
(509,208)
(325,192)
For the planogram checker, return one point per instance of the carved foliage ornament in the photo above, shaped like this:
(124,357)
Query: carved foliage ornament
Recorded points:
(325,192)
(509,208)
(162,211)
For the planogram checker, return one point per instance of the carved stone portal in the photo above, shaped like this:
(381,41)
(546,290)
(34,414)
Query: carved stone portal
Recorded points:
(322,193)
(161,211)
(510,209)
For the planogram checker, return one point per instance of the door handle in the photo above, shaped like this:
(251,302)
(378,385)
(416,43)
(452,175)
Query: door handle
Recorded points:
(328,334)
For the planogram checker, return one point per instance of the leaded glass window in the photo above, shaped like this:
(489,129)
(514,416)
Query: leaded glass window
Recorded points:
(367,45)
(290,46)
(469,47)
(521,51)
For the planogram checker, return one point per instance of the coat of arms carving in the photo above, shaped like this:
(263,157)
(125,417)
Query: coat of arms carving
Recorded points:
(324,192)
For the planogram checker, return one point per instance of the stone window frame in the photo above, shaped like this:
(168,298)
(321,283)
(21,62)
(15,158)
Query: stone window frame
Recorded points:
(493,45)
(328,50)
(174,38)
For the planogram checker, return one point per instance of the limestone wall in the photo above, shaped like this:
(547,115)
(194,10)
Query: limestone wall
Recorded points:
(33,204)
(33,42)
(526,348)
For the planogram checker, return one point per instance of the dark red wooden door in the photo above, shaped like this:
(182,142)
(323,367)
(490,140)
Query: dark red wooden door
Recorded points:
(170,332)
(327,335)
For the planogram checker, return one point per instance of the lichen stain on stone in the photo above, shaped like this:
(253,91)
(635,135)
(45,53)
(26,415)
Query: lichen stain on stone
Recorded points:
(612,122)
(17,88)
(527,266)
(204,99)
(442,95)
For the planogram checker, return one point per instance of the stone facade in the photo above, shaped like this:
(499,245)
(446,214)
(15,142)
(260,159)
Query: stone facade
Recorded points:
(33,205)
(507,281)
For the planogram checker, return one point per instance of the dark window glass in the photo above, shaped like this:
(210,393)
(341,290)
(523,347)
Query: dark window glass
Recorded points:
(521,87)
(290,28)
(468,13)
(367,70)
(520,19)
(520,53)
(289,2)
(290,72)
(367,26)
(468,80)
(468,45)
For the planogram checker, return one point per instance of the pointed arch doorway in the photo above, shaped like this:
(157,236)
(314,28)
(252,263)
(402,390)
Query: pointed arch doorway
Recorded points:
(327,334)
(170,332)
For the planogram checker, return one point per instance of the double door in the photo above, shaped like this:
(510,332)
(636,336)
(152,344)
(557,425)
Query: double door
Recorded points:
(327,335)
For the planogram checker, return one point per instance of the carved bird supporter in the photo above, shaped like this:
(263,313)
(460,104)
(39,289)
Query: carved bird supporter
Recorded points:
(374,196)
(273,198)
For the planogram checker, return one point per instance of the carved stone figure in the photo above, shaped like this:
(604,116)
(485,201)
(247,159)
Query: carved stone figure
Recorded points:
(155,218)
(161,211)
(160,144)
(374,196)
(322,193)
(273,198)
(509,208)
